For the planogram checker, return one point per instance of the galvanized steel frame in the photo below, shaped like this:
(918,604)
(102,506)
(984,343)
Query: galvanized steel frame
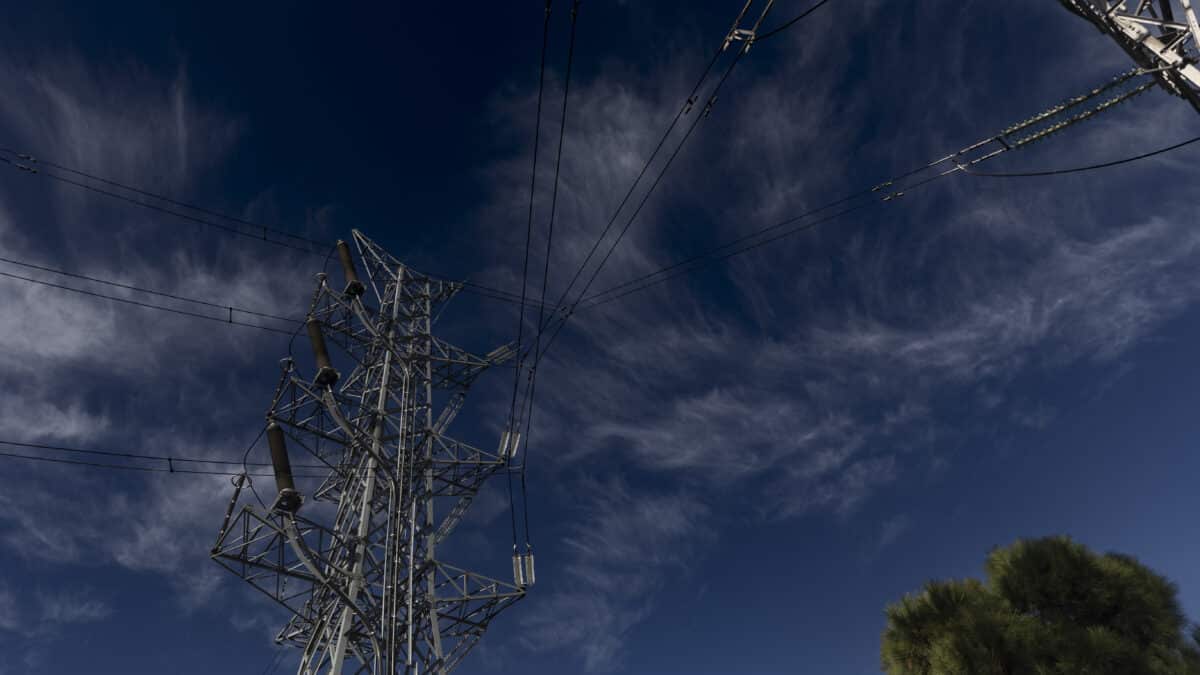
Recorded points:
(1161,36)
(365,589)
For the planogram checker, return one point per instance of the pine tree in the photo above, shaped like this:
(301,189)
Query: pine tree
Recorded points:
(1049,607)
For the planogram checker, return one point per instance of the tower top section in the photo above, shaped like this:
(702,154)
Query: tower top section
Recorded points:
(1161,36)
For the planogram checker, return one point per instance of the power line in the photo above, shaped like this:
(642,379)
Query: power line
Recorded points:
(562,131)
(264,229)
(170,459)
(140,469)
(262,430)
(543,323)
(570,309)
(716,255)
(115,284)
(1081,169)
(594,299)
(493,293)
(146,193)
(1006,140)
(228,320)
(705,260)
(564,313)
(31,165)
(598,297)
(537,135)
(735,33)
(788,24)
(684,109)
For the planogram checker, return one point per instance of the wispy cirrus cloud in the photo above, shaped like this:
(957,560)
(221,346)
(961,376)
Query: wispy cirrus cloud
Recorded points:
(797,376)
(803,377)
(42,614)
(62,608)
(617,554)
(102,375)
(36,619)
(892,529)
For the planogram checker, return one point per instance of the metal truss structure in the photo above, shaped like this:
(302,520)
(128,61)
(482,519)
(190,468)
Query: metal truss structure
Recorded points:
(358,571)
(1161,36)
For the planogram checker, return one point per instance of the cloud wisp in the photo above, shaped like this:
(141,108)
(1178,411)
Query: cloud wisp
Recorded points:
(616,557)
(808,375)
(87,372)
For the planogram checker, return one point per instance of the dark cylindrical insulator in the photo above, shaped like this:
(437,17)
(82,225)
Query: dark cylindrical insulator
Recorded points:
(326,375)
(289,498)
(354,287)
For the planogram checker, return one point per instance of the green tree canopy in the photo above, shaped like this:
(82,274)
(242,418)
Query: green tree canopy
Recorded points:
(1050,606)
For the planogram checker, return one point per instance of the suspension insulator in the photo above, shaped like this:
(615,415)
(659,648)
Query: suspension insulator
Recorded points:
(326,375)
(354,287)
(509,442)
(518,571)
(529,576)
(288,499)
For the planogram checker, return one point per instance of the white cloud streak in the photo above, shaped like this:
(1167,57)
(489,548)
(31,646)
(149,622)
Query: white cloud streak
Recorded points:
(795,374)
(617,556)
(806,373)
(97,374)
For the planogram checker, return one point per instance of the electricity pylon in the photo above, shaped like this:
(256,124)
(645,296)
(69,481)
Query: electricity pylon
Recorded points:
(358,570)
(1161,36)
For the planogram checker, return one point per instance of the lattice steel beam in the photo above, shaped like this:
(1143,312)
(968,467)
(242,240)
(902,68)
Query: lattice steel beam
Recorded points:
(1162,36)
(358,570)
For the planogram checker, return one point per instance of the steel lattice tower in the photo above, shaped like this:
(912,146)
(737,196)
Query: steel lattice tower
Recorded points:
(1161,36)
(359,570)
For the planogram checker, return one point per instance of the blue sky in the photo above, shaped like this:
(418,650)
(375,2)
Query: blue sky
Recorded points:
(734,471)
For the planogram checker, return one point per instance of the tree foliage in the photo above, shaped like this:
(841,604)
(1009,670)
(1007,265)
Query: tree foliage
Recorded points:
(1049,607)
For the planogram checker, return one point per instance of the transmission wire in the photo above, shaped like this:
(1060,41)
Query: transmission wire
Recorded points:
(471,287)
(160,209)
(570,310)
(133,455)
(1081,169)
(706,258)
(115,284)
(129,467)
(182,312)
(537,133)
(169,200)
(687,106)
(645,281)
(788,24)
(562,131)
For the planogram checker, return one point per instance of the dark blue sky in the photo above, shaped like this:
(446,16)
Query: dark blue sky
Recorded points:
(734,471)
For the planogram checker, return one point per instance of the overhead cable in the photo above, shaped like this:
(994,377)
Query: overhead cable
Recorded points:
(566,311)
(183,312)
(1081,169)
(261,234)
(170,459)
(788,24)
(683,110)
(265,233)
(1029,131)
(148,291)
(537,135)
(562,131)
(135,468)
